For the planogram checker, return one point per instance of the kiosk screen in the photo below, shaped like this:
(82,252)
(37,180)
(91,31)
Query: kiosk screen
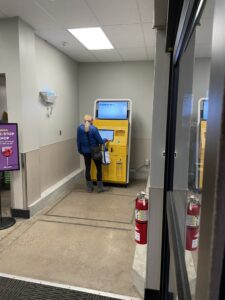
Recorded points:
(107,134)
(112,110)
(205,110)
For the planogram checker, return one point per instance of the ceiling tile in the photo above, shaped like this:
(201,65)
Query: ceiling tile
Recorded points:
(73,52)
(146,9)
(125,36)
(115,12)
(127,23)
(82,56)
(70,13)
(133,54)
(29,12)
(149,34)
(76,54)
(107,55)
(60,37)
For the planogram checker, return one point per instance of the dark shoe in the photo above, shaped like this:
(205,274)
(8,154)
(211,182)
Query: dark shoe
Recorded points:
(90,186)
(100,187)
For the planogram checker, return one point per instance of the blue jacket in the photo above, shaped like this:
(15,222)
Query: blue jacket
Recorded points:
(83,144)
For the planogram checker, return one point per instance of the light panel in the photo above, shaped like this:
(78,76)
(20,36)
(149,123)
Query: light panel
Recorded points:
(92,38)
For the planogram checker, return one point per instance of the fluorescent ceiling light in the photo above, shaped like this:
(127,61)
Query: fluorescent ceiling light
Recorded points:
(92,38)
(199,9)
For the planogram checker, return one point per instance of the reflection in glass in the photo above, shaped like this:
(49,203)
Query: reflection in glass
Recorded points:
(201,140)
(191,129)
(197,143)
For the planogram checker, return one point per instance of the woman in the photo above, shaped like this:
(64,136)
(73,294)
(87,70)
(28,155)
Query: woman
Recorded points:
(87,138)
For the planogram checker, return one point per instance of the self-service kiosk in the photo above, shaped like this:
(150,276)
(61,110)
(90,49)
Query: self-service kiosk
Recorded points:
(112,117)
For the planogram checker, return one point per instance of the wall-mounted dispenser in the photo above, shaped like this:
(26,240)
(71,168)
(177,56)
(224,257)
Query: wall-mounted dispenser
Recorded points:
(48,98)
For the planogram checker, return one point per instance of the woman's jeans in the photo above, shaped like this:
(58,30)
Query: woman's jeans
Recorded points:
(98,164)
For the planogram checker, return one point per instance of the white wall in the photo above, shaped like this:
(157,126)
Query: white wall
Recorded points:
(57,72)
(28,84)
(200,81)
(132,80)
(3,99)
(10,65)
(56,156)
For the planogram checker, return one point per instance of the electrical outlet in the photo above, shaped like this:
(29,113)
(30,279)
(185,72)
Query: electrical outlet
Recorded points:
(147,162)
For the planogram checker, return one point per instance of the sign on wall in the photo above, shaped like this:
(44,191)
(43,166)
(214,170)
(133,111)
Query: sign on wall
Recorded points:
(9,151)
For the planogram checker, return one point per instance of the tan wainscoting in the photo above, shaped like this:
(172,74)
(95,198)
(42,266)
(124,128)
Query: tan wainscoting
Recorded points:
(32,176)
(48,165)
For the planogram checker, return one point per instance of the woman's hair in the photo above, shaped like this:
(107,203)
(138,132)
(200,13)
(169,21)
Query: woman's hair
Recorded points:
(87,122)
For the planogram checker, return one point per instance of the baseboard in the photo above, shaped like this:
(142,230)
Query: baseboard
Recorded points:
(139,174)
(155,295)
(20,213)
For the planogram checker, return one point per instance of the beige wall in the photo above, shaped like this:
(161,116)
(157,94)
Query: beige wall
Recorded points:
(140,149)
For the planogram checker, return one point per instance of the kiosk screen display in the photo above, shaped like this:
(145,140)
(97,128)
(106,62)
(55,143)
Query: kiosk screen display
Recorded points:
(113,110)
(107,134)
(205,110)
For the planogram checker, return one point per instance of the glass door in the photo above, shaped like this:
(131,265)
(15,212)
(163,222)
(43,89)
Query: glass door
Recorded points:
(185,150)
(190,140)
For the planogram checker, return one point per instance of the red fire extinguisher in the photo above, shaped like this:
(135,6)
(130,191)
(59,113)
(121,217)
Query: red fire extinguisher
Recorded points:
(192,223)
(141,218)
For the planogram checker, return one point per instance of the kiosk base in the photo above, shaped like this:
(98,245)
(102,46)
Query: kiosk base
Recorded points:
(106,183)
(6,222)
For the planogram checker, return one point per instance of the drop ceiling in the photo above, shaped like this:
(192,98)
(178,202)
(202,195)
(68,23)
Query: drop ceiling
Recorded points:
(127,24)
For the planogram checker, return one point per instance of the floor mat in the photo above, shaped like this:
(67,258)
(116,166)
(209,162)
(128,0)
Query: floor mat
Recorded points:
(13,289)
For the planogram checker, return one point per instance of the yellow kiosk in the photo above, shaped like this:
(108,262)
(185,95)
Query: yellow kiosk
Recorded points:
(112,117)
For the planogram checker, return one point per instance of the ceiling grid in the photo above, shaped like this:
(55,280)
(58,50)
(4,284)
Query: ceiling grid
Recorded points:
(127,24)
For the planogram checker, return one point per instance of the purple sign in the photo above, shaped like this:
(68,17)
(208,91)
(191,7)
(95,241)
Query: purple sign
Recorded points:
(9,152)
